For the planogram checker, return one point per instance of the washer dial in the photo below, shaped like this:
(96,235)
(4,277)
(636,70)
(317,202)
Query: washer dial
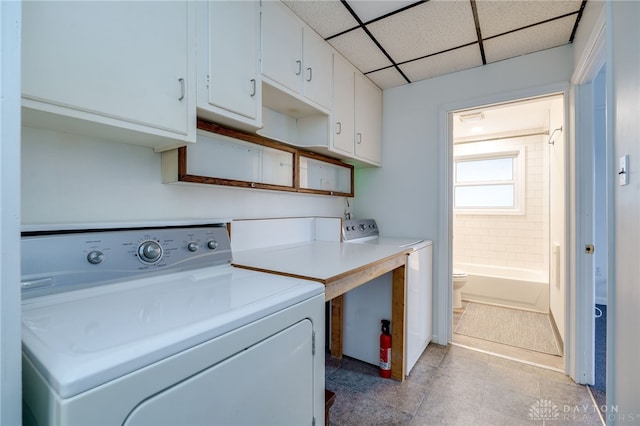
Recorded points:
(150,252)
(95,257)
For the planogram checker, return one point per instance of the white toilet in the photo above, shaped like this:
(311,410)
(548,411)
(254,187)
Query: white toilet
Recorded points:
(459,280)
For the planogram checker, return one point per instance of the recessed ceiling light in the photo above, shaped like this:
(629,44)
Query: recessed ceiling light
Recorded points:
(471,117)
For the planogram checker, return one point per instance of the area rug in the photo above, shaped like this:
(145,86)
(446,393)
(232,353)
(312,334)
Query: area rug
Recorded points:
(514,327)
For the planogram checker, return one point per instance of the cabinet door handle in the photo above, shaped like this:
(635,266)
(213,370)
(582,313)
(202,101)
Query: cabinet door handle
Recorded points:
(253,81)
(339,128)
(310,74)
(181,81)
(299,67)
(359,137)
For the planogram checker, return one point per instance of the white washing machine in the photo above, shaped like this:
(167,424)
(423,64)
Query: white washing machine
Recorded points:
(154,326)
(367,305)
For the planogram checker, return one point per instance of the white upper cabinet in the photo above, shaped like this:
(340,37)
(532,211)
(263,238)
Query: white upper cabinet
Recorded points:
(229,83)
(318,68)
(123,69)
(357,114)
(368,120)
(294,56)
(343,105)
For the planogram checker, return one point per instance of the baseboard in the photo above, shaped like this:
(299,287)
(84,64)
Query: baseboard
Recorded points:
(556,332)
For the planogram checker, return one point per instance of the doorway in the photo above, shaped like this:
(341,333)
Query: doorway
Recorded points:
(508,228)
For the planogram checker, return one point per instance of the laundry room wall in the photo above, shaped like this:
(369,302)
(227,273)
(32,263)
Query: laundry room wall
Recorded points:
(403,195)
(70,178)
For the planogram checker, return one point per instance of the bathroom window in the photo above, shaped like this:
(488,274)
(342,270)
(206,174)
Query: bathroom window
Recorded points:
(489,183)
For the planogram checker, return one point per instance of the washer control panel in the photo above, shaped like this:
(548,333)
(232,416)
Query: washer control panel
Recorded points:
(359,228)
(59,261)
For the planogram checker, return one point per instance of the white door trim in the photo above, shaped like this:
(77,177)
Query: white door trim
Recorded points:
(443,331)
(581,367)
(10,346)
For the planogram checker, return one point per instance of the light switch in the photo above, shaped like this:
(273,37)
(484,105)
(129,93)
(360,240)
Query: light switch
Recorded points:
(623,171)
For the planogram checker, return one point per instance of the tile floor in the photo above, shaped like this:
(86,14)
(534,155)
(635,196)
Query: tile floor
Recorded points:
(456,386)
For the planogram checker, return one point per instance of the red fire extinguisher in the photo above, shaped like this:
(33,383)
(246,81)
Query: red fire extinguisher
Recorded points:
(385,350)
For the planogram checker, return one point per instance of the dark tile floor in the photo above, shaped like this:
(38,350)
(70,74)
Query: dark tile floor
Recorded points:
(457,386)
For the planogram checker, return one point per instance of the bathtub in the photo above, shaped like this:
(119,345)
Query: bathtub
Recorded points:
(510,287)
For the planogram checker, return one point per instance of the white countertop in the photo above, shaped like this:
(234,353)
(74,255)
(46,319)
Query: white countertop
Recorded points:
(319,260)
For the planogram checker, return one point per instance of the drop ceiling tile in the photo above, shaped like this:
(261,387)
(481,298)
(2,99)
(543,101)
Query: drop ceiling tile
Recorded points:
(387,78)
(371,9)
(425,29)
(327,18)
(498,17)
(358,48)
(540,37)
(443,63)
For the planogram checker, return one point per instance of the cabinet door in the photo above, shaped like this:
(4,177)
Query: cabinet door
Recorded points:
(368,120)
(232,77)
(318,68)
(324,175)
(343,105)
(123,60)
(281,45)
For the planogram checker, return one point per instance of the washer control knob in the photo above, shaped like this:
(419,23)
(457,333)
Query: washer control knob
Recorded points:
(213,244)
(192,247)
(150,252)
(362,227)
(95,257)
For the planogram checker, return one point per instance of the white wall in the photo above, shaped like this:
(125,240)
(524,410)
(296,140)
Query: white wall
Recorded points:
(69,178)
(404,195)
(10,354)
(623,127)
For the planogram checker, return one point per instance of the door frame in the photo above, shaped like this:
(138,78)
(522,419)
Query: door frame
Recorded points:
(581,367)
(444,331)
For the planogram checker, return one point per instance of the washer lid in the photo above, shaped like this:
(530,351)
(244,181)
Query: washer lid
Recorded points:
(81,339)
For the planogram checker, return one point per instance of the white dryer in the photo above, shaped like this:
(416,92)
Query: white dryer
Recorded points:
(154,326)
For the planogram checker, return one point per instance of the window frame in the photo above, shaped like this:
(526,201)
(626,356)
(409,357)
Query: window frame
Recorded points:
(518,181)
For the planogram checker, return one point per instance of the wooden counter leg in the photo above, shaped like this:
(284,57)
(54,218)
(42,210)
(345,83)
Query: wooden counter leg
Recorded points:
(336,326)
(398,308)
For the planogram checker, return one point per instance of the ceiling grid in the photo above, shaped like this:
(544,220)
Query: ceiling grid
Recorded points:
(395,42)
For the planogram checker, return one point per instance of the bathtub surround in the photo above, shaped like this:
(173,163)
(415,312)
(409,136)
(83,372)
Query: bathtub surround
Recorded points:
(509,241)
(506,287)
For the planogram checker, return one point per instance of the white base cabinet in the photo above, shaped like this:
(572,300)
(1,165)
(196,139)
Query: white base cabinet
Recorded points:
(229,82)
(122,65)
